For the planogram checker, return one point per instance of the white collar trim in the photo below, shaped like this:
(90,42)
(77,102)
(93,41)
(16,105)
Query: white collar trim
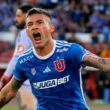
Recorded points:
(47,56)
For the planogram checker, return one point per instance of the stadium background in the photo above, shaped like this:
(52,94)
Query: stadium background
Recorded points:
(86,22)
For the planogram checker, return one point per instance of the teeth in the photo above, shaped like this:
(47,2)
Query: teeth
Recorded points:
(35,32)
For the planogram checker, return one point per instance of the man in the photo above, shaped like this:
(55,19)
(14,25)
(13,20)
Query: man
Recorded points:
(52,66)
(22,43)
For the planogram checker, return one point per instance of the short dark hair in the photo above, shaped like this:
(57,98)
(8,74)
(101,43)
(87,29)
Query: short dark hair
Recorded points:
(39,11)
(25,8)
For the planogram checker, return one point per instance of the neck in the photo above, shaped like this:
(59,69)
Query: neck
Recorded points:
(46,49)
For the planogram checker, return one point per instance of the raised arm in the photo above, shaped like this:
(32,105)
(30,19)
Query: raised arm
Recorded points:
(9,91)
(103,64)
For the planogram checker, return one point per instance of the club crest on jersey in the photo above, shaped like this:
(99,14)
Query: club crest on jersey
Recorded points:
(59,65)
(33,71)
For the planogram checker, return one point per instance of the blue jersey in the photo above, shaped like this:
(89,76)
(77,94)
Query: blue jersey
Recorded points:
(55,78)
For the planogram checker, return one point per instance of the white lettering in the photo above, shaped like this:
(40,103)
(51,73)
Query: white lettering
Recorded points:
(62,50)
(51,83)
(26,59)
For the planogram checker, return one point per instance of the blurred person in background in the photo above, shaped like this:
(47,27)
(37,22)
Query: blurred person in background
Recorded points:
(22,43)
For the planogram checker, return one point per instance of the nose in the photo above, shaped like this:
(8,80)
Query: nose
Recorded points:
(34,27)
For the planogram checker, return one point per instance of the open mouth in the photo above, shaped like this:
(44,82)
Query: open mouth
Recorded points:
(37,36)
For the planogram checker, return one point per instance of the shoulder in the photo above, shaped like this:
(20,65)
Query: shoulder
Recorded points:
(62,43)
(23,34)
(24,37)
(26,56)
(66,46)
(23,31)
(62,46)
(76,46)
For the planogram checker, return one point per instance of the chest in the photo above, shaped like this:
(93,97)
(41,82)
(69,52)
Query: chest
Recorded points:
(56,71)
(52,68)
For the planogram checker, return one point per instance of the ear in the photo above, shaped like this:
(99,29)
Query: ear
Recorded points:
(52,28)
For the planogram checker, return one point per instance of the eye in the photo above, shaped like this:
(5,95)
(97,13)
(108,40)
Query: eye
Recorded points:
(29,24)
(40,21)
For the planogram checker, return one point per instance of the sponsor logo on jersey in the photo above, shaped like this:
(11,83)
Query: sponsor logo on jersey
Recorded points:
(23,60)
(51,83)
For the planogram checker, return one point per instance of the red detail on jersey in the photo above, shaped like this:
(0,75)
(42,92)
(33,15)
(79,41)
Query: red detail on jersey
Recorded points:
(61,67)
(6,78)
(19,48)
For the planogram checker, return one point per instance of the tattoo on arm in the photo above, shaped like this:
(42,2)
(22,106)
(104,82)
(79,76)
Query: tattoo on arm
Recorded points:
(103,64)
(9,91)
(15,84)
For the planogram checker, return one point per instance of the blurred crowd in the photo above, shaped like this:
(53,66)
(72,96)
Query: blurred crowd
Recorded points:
(69,16)
(72,16)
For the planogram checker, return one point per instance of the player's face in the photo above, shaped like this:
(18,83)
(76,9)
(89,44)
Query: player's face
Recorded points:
(39,29)
(20,19)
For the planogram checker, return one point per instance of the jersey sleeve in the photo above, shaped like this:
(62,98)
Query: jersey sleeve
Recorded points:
(9,70)
(22,43)
(18,72)
(77,53)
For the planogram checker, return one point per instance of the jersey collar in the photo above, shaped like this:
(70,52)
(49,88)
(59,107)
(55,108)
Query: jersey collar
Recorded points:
(47,56)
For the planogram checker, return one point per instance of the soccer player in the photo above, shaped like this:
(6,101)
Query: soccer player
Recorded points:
(22,43)
(52,66)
